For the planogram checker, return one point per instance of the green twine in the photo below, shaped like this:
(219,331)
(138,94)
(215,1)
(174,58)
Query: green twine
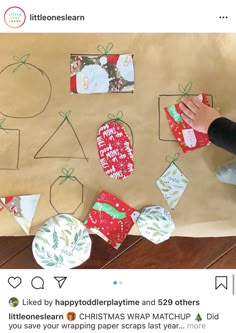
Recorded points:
(101,49)
(115,117)
(65,115)
(171,159)
(184,90)
(1,122)
(67,175)
(21,61)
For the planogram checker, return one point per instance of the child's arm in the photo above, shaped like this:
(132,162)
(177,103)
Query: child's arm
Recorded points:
(222,132)
(202,118)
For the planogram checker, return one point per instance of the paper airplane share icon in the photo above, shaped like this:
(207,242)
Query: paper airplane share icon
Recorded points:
(61,280)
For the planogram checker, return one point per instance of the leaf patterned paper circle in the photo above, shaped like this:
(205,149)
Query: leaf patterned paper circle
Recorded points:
(115,150)
(155,224)
(61,242)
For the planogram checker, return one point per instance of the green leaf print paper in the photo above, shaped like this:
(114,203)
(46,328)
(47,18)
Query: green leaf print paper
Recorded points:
(61,242)
(155,224)
(172,184)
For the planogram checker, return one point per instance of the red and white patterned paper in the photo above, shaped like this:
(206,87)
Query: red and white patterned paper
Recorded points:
(111,219)
(22,208)
(187,138)
(115,150)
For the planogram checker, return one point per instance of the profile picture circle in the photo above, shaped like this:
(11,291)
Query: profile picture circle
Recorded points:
(14,17)
(13,302)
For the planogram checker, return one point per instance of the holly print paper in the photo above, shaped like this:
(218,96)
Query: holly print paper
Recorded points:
(115,150)
(172,184)
(22,208)
(111,219)
(155,224)
(104,73)
(61,242)
(188,138)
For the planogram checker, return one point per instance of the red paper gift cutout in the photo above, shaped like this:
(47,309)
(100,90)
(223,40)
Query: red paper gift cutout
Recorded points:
(187,138)
(111,219)
(115,150)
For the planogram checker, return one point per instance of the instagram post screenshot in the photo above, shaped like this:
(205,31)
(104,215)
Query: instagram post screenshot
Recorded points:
(117,166)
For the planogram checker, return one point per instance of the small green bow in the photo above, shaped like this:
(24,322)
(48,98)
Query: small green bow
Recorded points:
(21,61)
(171,159)
(101,49)
(67,175)
(115,117)
(184,90)
(65,115)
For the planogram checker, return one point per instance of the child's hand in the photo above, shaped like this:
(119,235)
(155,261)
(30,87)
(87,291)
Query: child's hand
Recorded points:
(198,115)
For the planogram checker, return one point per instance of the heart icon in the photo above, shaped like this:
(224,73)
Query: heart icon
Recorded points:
(14,281)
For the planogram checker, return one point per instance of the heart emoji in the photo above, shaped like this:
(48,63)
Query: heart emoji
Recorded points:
(14,281)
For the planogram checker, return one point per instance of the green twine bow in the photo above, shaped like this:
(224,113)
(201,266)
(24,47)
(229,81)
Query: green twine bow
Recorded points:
(1,122)
(67,175)
(65,115)
(115,117)
(22,61)
(171,159)
(101,49)
(184,90)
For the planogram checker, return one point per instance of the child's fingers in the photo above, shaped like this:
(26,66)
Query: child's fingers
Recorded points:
(189,104)
(187,111)
(197,103)
(188,120)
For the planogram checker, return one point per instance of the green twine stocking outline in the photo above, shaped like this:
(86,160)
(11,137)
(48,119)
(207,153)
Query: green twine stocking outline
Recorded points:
(67,175)
(101,49)
(22,61)
(184,90)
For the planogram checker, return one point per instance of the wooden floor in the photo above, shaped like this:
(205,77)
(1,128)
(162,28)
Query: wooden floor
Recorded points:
(135,252)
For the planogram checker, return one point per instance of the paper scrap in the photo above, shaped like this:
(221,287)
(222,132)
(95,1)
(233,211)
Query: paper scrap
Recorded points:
(101,73)
(155,224)
(172,184)
(61,242)
(188,138)
(115,150)
(22,208)
(111,219)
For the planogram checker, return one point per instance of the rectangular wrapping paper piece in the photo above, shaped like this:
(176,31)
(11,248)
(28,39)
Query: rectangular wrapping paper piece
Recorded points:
(91,74)
(111,219)
(187,138)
